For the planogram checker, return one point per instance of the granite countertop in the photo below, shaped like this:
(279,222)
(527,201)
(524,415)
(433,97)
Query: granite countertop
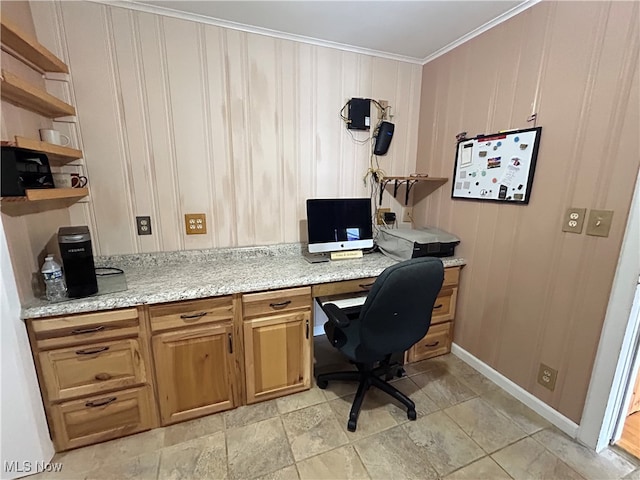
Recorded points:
(188,275)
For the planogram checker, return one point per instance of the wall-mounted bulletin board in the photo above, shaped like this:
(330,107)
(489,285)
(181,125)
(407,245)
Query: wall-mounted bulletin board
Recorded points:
(497,167)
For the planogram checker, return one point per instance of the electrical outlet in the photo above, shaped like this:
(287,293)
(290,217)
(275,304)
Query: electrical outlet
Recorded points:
(407,214)
(599,222)
(144,225)
(380,215)
(574,220)
(547,376)
(195,223)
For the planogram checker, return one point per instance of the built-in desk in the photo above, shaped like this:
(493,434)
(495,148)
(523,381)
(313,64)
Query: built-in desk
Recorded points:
(222,328)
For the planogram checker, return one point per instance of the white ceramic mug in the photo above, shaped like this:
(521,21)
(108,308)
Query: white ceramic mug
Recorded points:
(69,180)
(53,136)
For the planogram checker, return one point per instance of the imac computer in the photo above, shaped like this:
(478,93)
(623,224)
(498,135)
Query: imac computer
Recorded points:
(336,224)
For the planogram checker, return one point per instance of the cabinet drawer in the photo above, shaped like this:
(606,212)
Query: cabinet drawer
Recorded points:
(436,342)
(445,307)
(95,419)
(278,301)
(92,368)
(348,286)
(85,328)
(451,277)
(196,312)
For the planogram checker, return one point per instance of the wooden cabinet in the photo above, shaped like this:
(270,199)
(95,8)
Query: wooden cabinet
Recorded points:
(277,342)
(107,374)
(438,339)
(92,370)
(195,360)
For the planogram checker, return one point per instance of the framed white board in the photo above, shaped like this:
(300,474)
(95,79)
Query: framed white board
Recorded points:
(497,167)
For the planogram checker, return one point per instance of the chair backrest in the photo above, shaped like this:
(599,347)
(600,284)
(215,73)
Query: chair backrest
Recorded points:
(397,312)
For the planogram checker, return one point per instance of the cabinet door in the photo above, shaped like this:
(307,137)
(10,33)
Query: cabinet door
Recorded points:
(277,355)
(194,372)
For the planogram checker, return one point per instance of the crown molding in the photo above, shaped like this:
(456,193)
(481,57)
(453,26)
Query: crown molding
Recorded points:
(167,12)
(483,28)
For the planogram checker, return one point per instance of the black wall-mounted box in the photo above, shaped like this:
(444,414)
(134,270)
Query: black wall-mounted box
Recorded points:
(359,114)
(23,169)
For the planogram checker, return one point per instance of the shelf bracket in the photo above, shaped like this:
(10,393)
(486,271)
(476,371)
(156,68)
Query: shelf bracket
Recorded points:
(396,186)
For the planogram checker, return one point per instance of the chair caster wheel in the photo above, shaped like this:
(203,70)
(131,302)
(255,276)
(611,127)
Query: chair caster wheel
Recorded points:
(351,425)
(322,384)
(411,414)
(400,372)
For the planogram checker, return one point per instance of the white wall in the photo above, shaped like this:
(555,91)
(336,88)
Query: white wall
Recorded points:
(182,117)
(23,427)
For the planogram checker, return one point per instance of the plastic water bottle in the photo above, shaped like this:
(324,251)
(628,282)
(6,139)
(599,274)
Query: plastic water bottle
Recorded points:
(53,279)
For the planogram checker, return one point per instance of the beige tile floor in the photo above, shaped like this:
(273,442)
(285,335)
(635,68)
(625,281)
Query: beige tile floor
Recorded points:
(467,428)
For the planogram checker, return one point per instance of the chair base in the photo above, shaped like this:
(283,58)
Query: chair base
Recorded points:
(367,378)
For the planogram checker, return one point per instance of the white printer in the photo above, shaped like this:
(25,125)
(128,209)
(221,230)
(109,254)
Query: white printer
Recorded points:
(405,243)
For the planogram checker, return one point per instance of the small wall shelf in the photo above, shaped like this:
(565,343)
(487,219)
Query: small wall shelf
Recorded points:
(15,90)
(42,194)
(433,183)
(28,48)
(57,154)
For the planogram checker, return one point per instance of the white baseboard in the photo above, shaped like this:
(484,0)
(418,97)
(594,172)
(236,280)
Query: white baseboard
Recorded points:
(545,411)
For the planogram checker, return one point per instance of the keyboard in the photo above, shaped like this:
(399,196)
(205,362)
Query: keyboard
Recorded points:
(348,302)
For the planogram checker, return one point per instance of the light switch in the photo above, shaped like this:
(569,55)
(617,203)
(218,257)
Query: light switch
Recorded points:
(599,223)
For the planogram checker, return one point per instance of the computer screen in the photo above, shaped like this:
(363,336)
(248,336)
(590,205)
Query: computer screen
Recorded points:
(339,224)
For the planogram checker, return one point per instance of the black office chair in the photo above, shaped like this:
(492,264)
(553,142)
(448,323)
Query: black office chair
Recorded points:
(396,315)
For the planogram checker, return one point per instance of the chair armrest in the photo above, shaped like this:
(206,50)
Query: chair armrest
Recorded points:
(335,315)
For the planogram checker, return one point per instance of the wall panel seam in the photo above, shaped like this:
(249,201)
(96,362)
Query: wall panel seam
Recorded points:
(142,92)
(585,270)
(121,121)
(246,75)
(277,45)
(544,59)
(166,88)
(620,105)
(224,50)
(61,28)
(208,144)
(314,130)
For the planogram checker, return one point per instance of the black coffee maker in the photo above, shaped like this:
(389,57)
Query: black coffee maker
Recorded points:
(77,260)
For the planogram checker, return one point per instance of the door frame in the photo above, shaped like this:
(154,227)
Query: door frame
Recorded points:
(612,366)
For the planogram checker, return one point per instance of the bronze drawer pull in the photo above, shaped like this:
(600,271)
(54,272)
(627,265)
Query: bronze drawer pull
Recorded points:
(102,376)
(438,306)
(194,316)
(280,305)
(87,330)
(435,344)
(366,286)
(101,403)
(92,351)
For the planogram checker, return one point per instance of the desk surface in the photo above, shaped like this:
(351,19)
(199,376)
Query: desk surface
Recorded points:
(175,276)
